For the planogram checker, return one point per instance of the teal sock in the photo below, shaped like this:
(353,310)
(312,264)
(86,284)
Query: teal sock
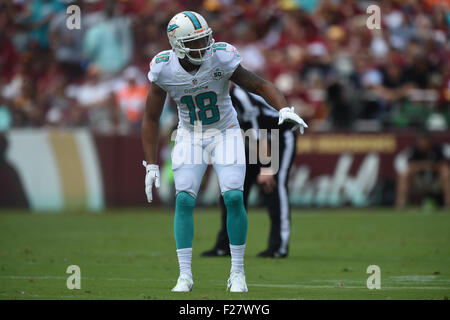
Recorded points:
(184,221)
(236,217)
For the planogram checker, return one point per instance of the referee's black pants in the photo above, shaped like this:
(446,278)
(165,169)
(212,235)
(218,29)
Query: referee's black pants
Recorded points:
(276,202)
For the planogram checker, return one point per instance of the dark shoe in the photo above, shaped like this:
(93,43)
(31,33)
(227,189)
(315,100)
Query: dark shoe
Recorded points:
(266,254)
(279,255)
(216,252)
(271,254)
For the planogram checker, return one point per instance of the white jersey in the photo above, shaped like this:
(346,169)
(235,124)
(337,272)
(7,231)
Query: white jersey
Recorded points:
(204,95)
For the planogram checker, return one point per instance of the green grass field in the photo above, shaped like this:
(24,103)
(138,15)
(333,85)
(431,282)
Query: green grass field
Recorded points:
(130,254)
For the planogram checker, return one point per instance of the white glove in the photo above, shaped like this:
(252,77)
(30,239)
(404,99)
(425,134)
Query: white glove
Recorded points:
(151,177)
(288,114)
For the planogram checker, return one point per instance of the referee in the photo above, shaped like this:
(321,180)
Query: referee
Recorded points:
(254,112)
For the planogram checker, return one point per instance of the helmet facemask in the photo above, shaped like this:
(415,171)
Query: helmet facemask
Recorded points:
(198,49)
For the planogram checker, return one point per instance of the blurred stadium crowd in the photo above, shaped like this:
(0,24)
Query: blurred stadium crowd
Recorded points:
(339,74)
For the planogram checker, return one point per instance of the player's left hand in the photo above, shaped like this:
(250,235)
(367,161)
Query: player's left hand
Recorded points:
(151,177)
(288,114)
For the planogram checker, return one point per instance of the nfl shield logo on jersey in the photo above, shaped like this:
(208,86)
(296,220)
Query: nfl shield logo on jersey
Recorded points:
(194,82)
(217,74)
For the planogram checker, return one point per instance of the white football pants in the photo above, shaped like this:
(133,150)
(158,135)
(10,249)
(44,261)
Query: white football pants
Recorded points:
(193,151)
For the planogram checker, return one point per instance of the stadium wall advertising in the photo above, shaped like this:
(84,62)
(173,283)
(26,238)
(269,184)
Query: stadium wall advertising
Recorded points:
(49,170)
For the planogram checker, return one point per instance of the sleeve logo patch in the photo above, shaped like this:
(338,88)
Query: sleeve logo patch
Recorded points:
(217,73)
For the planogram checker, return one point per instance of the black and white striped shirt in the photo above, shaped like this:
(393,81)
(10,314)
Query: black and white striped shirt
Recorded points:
(254,112)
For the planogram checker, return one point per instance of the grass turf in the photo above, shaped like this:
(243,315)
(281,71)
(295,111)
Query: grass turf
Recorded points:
(130,254)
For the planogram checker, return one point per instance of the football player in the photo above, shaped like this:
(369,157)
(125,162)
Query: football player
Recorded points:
(196,74)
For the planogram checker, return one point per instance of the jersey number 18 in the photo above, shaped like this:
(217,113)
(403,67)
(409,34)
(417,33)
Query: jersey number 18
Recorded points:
(203,115)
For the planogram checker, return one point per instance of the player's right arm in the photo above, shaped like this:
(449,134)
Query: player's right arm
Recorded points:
(150,133)
(150,122)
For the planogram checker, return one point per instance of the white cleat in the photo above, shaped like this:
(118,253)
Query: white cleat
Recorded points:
(184,284)
(236,282)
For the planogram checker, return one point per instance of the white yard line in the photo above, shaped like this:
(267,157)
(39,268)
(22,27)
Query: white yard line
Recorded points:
(390,279)
(19,295)
(267,285)
(301,286)
(82,278)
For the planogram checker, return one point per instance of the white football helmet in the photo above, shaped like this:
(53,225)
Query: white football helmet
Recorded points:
(188,26)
